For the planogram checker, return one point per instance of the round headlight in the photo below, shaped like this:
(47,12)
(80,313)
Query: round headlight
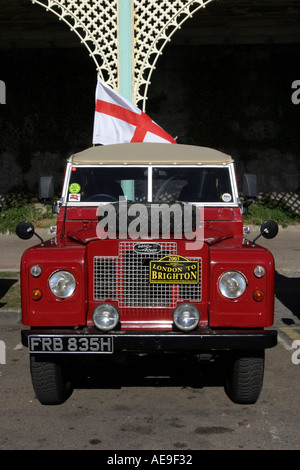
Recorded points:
(105,317)
(186,317)
(62,284)
(232,284)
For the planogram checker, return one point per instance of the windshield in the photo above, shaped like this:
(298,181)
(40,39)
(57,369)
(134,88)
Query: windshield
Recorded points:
(108,184)
(150,184)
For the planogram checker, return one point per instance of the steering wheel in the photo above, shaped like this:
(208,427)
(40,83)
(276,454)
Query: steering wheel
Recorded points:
(98,197)
(163,188)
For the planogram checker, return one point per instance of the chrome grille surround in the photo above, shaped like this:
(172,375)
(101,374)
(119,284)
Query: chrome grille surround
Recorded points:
(125,279)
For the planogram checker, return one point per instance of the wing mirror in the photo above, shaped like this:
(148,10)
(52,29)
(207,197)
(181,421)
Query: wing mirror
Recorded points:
(250,190)
(268,229)
(46,192)
(46,189)
(25,231)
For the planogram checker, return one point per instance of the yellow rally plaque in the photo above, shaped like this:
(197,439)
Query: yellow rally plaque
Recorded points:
(174,269)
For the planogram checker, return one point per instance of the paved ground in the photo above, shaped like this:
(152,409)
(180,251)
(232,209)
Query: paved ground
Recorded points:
(150,408)
(12,248)
(285,248)
(149,403)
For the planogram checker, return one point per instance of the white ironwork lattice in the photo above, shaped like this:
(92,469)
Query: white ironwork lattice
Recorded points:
(155,23)
(96,24)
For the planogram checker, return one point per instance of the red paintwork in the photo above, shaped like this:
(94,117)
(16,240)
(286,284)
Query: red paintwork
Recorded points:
(244,311)
(51,311)
(76,243)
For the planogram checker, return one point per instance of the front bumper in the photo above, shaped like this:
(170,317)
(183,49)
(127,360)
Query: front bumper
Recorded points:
(90,340)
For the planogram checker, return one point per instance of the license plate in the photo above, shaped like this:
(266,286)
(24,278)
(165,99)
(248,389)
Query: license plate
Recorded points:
(70,344)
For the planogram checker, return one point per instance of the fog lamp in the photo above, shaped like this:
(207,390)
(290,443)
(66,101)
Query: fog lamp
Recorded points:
(232,284)
(62,284)
(106,317)
(186,317)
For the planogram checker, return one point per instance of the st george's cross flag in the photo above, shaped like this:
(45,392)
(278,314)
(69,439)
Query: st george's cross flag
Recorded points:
(118,121)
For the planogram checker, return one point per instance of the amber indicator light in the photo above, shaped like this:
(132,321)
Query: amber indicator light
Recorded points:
(36,294)
(258,295)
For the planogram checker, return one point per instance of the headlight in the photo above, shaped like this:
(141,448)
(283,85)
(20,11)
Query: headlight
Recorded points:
(186,317)
(62,284)
(232,284)
(105,317)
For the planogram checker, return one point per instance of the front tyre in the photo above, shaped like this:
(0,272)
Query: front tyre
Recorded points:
(50,381)
(244,378)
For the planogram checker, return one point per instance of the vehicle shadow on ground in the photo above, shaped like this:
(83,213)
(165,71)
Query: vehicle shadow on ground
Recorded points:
(158,370)
(5,286)
(287,291)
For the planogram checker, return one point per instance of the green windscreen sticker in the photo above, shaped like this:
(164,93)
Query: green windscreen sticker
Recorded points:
(74,188)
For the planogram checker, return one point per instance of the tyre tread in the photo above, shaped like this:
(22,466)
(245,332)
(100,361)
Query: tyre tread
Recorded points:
(49,382)
(245,378)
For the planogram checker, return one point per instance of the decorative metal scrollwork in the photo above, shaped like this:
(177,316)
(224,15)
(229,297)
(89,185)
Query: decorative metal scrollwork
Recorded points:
(156,22)
(96,24)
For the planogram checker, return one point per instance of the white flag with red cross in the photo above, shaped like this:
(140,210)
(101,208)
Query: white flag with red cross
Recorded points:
(119,121)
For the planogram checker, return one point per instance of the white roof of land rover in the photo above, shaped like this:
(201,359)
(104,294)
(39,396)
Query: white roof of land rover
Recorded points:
(148,154)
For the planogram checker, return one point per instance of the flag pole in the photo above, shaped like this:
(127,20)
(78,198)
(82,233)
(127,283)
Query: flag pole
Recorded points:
(125,60)
(125,48)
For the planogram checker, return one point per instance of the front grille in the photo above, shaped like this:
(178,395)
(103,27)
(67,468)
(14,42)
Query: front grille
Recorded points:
(104,279)
(125,279)
(138,292)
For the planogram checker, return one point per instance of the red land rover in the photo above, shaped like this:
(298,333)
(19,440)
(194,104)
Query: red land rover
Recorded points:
(149,257)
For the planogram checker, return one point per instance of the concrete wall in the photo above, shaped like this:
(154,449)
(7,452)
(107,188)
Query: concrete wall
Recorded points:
(234,98)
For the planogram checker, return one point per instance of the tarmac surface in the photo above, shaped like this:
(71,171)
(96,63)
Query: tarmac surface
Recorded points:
(12,248)
(158,402)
